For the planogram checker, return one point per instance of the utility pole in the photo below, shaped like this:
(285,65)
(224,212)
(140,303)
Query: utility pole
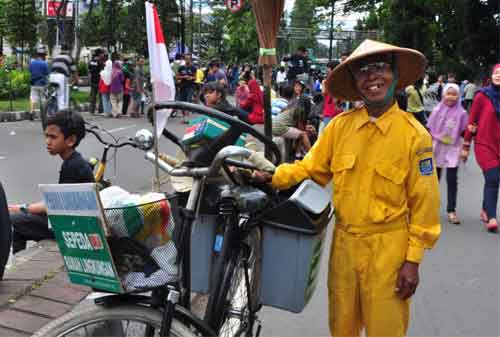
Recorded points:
(330,50)
(199,28)
(191,24)
(183,26)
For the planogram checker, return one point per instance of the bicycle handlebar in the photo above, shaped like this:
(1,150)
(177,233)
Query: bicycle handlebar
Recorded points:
(199,172)
(243,127)
(103,142)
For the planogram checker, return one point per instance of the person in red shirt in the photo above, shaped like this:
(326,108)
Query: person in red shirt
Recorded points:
(330,105)
(484,126)
(254,103)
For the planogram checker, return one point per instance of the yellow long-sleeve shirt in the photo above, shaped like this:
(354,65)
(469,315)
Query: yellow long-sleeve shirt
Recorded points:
(383,175)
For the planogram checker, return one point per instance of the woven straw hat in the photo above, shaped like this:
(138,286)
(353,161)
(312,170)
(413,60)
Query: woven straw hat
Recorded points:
(411,65)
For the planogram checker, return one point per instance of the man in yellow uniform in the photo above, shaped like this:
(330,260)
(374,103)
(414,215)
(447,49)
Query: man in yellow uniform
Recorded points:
(385,192)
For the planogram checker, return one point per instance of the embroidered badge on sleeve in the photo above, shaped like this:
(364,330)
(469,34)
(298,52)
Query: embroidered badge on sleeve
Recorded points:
(425,166)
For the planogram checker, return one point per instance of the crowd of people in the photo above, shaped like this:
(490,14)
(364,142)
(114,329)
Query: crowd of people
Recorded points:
(117,85)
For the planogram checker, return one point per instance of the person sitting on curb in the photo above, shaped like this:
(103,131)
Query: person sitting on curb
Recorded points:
(386,192)
(215,97)
(291,124)
(63,133)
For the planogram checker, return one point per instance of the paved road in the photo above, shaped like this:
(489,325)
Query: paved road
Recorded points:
(459,293)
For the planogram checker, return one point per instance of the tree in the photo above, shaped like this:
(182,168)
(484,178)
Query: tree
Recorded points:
(304,21)
(455,35)
(233,36)
(21,19)
(3,23)
(129,24)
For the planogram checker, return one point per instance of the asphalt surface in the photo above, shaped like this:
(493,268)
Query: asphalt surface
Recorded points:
(460,279)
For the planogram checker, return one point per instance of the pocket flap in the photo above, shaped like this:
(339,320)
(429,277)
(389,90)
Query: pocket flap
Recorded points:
(343,162)
(390,171)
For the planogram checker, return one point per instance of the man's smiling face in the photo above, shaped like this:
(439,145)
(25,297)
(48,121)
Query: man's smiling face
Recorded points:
(373,76)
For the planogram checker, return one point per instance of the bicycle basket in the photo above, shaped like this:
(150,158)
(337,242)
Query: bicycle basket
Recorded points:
(142,244)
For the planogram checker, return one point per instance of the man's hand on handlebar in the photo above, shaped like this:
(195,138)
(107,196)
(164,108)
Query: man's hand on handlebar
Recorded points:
(262,177)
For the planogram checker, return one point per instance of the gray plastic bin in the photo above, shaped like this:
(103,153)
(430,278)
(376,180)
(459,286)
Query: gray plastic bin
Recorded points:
(290,267)
(202,242)
(292,244)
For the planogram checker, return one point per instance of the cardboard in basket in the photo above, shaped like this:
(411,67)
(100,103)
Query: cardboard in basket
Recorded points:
(76,216)
(205,128)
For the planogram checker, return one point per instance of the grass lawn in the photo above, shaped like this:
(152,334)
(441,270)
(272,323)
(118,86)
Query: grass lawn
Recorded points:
(22,104)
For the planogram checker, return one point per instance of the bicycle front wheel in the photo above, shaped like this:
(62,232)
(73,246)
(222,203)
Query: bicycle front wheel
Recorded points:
(122,321)
(239,295)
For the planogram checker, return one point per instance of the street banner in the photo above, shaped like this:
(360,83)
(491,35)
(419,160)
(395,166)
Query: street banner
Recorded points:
(162,76)
(53,6)
(77,220)
(234,5)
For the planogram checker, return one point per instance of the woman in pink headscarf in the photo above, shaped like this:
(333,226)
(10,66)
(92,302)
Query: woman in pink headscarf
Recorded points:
(254,103)
(484,126)
(446,124)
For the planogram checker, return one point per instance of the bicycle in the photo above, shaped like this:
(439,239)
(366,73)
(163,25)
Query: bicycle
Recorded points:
(50,106)
(143,140)
(235,290)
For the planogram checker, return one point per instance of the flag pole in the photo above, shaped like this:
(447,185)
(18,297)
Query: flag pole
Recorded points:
(156,185)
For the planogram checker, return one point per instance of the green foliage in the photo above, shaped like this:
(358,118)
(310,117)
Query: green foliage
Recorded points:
(17,81)
(19,20)
(455,35)
(233,37)
(128,22)
(83,69)
(303,17)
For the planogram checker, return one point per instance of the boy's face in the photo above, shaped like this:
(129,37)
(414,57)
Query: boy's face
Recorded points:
(212,97)
(56,143)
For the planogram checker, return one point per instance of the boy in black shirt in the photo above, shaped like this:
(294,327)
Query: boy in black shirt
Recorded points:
(185,77)
(63,133)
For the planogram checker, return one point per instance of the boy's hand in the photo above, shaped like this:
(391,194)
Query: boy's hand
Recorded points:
(262,177)
(14,208)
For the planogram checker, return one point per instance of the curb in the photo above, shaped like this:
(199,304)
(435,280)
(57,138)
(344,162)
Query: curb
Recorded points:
(17,116)
(32,267)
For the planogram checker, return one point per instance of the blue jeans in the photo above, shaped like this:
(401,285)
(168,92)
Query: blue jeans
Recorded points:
(186,94)
(106,104)
(490,196)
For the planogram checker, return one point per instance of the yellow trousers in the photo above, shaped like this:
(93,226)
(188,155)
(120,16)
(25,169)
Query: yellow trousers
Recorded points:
(363,269)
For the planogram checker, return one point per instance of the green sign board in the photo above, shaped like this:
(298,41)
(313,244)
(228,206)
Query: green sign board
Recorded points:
(76,217)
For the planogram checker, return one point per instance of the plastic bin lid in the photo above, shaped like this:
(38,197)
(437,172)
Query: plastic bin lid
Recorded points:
(311,197)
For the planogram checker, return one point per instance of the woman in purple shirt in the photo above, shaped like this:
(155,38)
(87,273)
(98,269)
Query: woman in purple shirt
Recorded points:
(116,89)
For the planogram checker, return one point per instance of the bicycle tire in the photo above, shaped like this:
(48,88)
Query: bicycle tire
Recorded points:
(50,109)
(233,299)
(95,314)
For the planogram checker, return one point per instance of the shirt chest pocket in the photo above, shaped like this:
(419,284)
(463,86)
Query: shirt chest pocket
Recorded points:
(342,166)
(388,183)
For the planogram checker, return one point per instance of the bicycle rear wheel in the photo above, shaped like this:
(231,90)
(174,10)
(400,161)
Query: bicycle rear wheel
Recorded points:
(238,299)
(122,321)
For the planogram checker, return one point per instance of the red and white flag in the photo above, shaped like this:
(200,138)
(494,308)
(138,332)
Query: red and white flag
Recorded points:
(162,76)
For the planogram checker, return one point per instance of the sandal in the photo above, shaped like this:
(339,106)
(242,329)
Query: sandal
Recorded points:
(492,226)
(483,216)
(453,218)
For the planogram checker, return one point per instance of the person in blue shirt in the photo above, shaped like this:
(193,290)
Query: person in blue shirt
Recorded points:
(39,70)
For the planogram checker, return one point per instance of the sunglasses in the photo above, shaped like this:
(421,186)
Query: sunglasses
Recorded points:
(376,67)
